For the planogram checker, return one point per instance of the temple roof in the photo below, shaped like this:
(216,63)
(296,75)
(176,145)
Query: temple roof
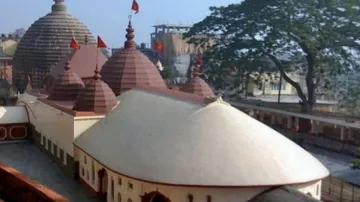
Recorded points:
(67,86)
(219,144)
(197,85)
(128,68)
(45,43)
(82,61)
(97,96)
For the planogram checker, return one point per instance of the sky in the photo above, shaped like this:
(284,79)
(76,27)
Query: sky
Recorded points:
(109,18)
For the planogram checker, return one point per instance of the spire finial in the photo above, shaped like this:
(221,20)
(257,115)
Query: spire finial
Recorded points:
(197,70)
(97,75)
(129,43)
(59,5)
(86,39)
(67,66)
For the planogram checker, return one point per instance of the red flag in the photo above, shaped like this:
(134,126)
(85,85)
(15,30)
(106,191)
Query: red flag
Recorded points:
(135,6)
(158,46)
(74,43)
(100,43)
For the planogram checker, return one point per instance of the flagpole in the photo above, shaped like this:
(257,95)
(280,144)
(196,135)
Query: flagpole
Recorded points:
(97,53)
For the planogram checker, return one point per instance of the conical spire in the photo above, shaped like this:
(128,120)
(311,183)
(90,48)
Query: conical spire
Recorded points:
(58,6)
(67,66)
(130,43)
(97,75)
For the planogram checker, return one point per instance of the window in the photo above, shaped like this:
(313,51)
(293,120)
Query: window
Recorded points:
(130,185)
(85,160)
(44,140)
(49,145)
(119,181)
(317,190)
(190,198)
(276,86)
(208,198)
(82,171)
(119,197)
(62,155)
(112,189)
(87,175)
(129,200)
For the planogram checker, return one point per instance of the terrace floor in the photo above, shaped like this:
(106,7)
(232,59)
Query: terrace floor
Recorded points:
(28,159)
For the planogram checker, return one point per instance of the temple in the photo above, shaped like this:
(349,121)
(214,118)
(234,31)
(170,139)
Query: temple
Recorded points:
(115,127)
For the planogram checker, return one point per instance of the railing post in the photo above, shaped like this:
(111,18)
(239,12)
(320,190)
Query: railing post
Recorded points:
(352,193)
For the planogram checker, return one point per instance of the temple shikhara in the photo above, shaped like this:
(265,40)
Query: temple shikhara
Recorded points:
(115,128)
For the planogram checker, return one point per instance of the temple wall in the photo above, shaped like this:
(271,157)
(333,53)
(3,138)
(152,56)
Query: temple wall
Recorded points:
(13,123)
(54,131)
(127,189)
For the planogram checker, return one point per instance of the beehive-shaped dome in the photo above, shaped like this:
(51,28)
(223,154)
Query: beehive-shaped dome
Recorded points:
(97,96)
(67,87)
(197,85)
(45,43)
(129,68)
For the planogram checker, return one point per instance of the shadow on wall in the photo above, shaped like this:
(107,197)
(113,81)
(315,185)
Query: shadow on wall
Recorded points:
(14,186)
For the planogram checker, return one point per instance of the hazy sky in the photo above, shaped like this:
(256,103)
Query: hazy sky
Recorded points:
(109,18)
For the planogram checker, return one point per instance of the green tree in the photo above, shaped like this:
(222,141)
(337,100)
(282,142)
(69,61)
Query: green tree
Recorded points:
(349,91)
(166,73)
(319,34)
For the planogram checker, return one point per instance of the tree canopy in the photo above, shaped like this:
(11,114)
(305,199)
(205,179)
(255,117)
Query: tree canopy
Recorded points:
(321,35)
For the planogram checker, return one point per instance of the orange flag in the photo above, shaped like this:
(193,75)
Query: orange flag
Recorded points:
(135,6)
(74,43)
(158,46)
(100,43)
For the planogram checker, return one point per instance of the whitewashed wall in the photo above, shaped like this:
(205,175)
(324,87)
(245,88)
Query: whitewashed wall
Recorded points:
(13,114)
(57,126)
(89,168)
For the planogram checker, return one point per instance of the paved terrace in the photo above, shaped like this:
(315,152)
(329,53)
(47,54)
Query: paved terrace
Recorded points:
(29,160)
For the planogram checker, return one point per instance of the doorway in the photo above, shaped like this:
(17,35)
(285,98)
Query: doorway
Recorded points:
(154,196)
(103,183)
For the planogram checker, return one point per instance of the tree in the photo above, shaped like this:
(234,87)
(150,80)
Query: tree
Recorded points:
(166,73)
(349,93)
(319,34)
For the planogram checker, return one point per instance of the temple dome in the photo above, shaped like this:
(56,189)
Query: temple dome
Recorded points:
(129,68)
(45,43)
(96,97)
(67,86)
(197,85)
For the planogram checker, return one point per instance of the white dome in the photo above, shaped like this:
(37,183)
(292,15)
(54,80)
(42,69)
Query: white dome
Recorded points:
(158,138)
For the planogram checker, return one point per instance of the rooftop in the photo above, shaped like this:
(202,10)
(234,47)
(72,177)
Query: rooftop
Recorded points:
(172,26)
(29,160)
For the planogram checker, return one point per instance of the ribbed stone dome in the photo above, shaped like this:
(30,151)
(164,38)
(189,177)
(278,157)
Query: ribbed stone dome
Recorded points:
(45,43)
